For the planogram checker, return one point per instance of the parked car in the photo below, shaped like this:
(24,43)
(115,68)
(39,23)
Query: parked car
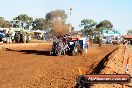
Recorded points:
(2,37)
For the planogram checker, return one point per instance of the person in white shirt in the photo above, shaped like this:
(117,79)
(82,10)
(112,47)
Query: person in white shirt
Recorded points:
(84,42)
(9,36)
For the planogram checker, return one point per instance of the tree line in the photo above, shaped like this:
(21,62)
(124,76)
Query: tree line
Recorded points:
(46,23)
(39,23)
(89,25)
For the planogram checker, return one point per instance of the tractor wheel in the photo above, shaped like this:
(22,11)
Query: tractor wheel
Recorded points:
(17,38)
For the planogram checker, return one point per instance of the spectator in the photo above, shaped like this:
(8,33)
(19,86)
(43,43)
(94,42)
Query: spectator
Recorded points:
(84,42)
(9,36)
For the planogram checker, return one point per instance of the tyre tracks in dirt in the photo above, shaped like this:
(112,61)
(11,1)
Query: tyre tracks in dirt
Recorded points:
(30,66)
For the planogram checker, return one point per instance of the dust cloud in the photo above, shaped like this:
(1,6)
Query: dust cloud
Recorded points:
(59,28)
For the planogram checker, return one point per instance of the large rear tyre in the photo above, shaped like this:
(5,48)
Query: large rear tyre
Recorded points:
(17,38)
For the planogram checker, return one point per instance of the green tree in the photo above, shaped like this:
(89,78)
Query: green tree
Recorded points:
(129,32)
(7,24)
(4,23)
(88,25)
(100,29)
(27,20)
(41,24)
(105,24)
(1,21)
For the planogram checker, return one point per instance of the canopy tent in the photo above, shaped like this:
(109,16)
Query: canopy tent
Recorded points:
(38,31)
(127,36)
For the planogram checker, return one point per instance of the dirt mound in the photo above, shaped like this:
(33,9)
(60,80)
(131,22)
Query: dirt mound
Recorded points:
(116,65)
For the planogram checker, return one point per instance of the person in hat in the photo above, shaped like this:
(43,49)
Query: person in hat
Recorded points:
(9,36)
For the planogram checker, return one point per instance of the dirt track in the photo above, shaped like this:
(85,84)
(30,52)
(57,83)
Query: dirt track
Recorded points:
(30,66)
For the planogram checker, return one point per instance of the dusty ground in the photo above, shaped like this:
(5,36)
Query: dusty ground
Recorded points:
(30,66)
(117,65)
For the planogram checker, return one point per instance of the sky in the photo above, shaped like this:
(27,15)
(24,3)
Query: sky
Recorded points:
(119,12)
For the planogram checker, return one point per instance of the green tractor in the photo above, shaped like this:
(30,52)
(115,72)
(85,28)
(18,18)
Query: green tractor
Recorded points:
(21,35)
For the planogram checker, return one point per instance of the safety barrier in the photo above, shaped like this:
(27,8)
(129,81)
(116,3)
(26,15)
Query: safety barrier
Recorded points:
(127,64)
